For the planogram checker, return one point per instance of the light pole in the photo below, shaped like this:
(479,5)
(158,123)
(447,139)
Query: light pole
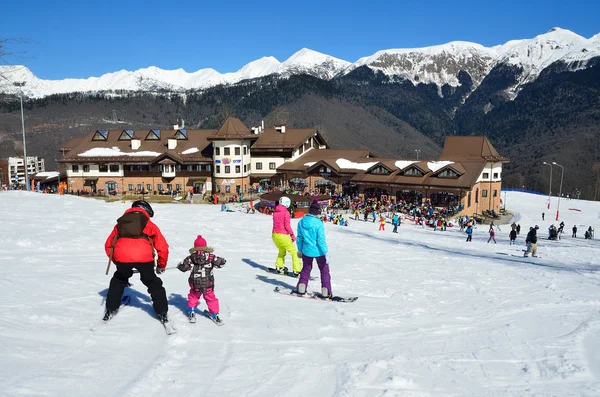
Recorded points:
(550,191)
(562,172)
(418,151)
(21,84)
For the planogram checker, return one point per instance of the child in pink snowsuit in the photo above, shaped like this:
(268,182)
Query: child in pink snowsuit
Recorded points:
(202,282)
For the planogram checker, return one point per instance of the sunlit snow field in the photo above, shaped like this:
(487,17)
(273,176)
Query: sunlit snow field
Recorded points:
(436,316)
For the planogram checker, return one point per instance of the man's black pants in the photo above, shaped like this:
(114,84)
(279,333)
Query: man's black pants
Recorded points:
(154,284)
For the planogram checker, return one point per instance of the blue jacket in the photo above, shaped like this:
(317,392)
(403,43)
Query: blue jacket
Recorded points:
(469,230)
(311,236)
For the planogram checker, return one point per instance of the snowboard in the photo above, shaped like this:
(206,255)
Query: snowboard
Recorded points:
(287,273)
(124,302)
(315,295)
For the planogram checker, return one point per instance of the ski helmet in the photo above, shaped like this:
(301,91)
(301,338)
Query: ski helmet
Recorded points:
(285,201)
(143,205)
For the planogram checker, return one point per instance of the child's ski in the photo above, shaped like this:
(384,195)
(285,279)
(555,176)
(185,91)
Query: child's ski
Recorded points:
(286,272)
(217,319)
(124,302)
(315,295)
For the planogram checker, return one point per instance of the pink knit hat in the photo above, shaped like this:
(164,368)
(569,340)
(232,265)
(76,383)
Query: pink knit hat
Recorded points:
(200,241)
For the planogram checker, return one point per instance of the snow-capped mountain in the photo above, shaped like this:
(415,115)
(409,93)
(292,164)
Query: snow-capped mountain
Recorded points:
(436,64)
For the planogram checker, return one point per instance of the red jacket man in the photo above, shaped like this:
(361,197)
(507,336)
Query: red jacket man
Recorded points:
(131,245)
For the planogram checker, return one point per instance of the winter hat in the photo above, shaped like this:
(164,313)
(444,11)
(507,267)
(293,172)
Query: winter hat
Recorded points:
(315,208)
(200,242)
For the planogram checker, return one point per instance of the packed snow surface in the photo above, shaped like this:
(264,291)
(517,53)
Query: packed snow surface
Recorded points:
(436,316)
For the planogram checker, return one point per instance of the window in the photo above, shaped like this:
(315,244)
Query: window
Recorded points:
(161,168)
(259,166)
(75,168)
(126,135)
(448,173)
(244,167)
(226,151)
(237,151)
(86,168)
(208,167)
(227,189)
(153,135)
(178,167)
(100,135)
(245,150)
(217,151)
(486,175)
(271,166)
(139,187)
(476,195)
(238,189)
(495,175)
(237,169)
(148,187)
(301,150)
(159,187)
(189,167)
(114,168)
(413,172)
(227,169)
(495,193)
(484,193)
(469,200)
(380,170)
(178,186)
(181,135)
(169,187)
(218,169)
(130,186)
(103,168)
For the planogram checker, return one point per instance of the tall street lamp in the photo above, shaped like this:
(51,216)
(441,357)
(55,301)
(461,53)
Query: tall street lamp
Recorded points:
(25,164)
(418,151)
(562,172)
(550,191)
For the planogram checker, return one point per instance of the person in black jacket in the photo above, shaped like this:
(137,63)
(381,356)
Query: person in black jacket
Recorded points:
(531,241)
(574,231)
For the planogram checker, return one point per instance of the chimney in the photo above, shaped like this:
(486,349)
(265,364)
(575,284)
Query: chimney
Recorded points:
(136,143)
(171,143)
(281,129)
(176,126)
(182,123)
(262,125)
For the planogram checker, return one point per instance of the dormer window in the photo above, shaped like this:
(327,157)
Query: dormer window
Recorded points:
(126,135)
(153,135)
(448,173)
(380,170)
(181,135)
(100,135)
(412,171)
(324,169)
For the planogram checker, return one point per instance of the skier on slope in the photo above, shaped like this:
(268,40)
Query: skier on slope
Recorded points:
(284,238)
(469,231)
(531,241)
(202,262)
(312,245)
(130,246)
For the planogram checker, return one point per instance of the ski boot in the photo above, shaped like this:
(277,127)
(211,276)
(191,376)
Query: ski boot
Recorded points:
(163,318)
(281,270)
(109,314)
(295,274)
(192,314)
(325,294)
(215,317)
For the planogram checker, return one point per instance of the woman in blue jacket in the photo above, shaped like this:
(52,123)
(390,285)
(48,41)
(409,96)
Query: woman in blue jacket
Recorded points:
(311,245)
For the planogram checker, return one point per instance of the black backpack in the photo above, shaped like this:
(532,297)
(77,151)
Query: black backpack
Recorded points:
(132,225)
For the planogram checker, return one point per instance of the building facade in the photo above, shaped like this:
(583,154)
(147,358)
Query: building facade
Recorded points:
(15,169)
(236,159)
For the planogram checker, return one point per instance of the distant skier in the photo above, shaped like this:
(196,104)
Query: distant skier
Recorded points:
(543,215)
(574,231)
(381,222)
(202,262)
(531,241)
(284,238)
(395,222)
(518,229)
(492,235)
(469,231)
(131,246)
(512,236)
(312,245)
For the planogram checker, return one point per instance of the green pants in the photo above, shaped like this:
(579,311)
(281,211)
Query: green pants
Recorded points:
(284,244)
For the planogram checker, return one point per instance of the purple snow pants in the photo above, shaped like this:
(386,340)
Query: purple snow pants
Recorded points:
(307,264)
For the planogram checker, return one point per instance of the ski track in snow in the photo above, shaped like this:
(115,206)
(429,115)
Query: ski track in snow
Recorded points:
(435,315)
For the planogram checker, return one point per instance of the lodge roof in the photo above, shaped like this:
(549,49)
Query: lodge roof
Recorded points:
(470,148)
(233,128)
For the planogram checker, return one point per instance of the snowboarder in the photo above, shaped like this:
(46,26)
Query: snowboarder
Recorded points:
(312,245)
(469,231)
(130,246)
(513,236)
(492,235)
(284,238)
(574,231)
(202,262)
(531,241)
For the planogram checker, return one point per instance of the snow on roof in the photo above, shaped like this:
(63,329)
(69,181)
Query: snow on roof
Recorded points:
(191,150)
(402,164)
(48,174)
(310,164)
(343,163)
(114,152)
(436,165)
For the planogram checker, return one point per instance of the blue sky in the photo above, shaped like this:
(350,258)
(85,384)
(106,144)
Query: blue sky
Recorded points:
(79,39)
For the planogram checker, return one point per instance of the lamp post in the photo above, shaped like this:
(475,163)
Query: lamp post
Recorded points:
(562,172)
(550,191)
(21,84)
(418,151)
